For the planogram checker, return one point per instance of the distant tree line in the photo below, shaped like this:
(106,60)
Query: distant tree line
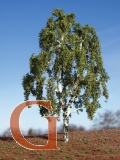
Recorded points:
(107,120)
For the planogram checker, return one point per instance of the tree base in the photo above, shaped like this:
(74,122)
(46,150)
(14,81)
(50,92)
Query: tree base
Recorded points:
(66,140)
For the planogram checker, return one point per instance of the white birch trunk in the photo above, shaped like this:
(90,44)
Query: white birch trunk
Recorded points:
(65,125)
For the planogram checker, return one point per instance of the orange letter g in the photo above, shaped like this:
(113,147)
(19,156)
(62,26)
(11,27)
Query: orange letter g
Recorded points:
(19,138)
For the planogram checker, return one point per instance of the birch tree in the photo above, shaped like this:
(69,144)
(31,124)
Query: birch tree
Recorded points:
(77,69)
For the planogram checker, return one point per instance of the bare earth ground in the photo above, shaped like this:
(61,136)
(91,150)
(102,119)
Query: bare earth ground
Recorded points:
(83,145)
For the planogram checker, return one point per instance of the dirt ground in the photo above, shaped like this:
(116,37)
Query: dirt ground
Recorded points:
(82,145)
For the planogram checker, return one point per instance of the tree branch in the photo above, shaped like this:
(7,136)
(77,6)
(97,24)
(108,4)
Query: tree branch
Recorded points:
(59,85)
(81,43)
(51,63)
(77,109)
(73,93)
(60,43)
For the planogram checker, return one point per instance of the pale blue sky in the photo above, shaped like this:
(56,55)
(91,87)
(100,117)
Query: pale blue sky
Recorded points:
(20,23)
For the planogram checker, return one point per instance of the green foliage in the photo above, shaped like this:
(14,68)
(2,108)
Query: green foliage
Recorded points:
(62,37)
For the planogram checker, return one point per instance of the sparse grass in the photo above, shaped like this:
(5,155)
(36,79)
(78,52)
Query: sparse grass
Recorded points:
(80,154)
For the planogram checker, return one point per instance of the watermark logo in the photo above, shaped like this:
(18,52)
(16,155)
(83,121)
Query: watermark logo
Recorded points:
(19,138)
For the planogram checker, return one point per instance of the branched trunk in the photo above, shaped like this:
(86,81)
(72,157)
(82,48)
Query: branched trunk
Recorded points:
(66,113)
(66,109)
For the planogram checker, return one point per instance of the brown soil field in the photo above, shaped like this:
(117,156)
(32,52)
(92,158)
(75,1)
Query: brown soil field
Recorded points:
(82,145)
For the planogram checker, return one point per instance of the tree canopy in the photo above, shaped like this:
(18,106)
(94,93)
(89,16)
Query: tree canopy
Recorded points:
(74,47)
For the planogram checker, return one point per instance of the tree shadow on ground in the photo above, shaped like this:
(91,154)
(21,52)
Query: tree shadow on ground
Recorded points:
(45,136)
